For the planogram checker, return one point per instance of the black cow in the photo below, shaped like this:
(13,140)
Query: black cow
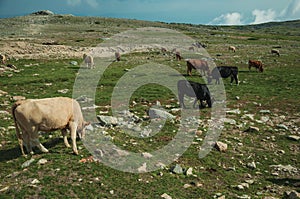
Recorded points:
(193,89)
(224,72)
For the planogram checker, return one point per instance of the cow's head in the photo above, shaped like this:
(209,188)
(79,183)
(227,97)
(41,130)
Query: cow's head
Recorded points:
(81,129)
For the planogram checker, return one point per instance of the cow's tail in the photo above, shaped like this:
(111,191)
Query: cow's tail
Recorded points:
(18,133)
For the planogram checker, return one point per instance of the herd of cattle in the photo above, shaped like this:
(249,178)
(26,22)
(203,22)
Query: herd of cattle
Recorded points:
(62,113)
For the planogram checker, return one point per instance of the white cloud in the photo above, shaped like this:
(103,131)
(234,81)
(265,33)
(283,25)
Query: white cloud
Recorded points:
(263,16)
(92,3)
(292,10)
(234,18)
(73,2)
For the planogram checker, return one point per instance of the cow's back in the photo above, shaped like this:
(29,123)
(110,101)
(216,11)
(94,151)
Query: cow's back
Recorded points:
(46,114)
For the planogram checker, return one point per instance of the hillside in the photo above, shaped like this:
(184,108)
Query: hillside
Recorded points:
(255,156)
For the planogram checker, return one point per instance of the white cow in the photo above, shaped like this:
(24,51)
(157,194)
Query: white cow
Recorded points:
(48,114)
(89,61)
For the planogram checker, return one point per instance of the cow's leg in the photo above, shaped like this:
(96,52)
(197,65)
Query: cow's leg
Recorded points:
(181,100)
(236,79)
(73,128)
(21,141)
(64,134)
(37,143)
(34,139)
(21,146)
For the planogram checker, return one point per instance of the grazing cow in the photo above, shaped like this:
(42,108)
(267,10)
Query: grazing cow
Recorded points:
(223,72)
(275,51)
(118,56)
(178,56)
(232,48)
(256,64)
(163,50)
(3,59)
(199,64)
(89,61)
(48,114)
(193,89)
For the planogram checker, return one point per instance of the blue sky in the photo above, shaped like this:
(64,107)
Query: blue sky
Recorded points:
(217,12)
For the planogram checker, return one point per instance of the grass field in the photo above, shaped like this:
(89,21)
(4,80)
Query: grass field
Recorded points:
(277,90)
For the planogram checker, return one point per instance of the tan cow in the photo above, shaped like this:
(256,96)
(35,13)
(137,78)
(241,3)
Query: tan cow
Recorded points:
(2,59)
(197,64)
(275,51)
(232,48)
(48,114)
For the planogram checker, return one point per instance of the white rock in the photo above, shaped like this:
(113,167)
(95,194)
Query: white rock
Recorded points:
(220,146)
(147,155)
(42,161)
(189,172)
(143,168)
(166,196)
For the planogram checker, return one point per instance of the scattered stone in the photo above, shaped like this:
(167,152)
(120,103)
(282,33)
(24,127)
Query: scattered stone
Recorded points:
(4,189)
(157,113)
(282,126)
(42,161)
(74,63)
(4,113)
(252,129)
(250,116)
(143,168)
(291,195)
(244,197)
(229,121)
(43,12)
(63,91)
(220,146)
(27,163)
(35,181)
(285,168)
(3,93)
(234,111)
(265,111)
(187,186)
(107,120)
(294,137)
(166,196)
(189,171)
(147,155)
(240,187)
(177,169)
(17,98)
(251,165)
(249,181)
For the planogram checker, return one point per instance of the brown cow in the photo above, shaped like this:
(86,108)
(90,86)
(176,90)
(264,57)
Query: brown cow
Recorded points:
(257,64)
(178,56)
(202,65)
(118,56)
(49,114)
